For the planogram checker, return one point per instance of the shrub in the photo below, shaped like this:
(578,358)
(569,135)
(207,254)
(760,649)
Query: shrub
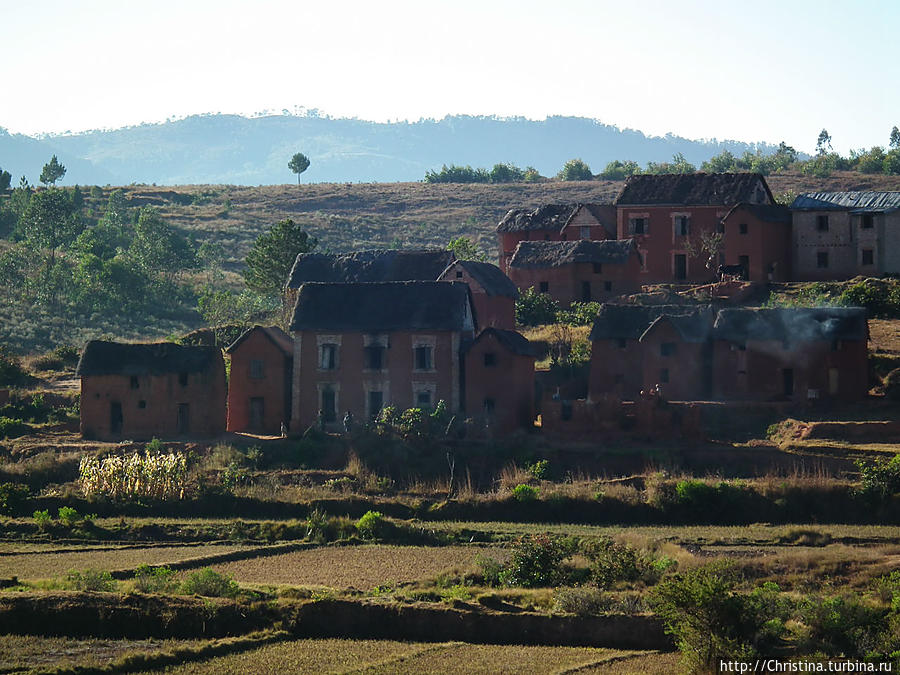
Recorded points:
(879,480)
(534,309)
(42,519)
(209,583)
(575,169)
(372,525)
(612,562)
(154,579)
(90,580)
(68,516)
(580,601)
(12,496)
(491,569)
(537,561)
(11,371)
(538,469)
(525,493)
(580,313)
(13,428)
(840,626)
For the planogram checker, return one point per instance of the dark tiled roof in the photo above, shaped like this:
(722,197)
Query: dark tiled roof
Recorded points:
(792,324)
(615,322)
(540,254)
(375,307)
(769,213)
(282,340)
(555,217)
(161,358)
(490,277)
(374,266)
(692,327)
(694,189)
(511,340)
(848,201)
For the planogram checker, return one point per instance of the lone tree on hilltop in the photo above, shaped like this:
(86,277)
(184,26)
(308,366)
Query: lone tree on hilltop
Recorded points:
(273,254)
(575,169)
(298,164)
(895,138)
(52,172)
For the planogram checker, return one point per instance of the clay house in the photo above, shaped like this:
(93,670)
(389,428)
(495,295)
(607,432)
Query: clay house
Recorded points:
(758,238)
(554,222)
(839,235)
(494,295)
(794,354)
(634,348)
(499,380)
(361,346)
(141,391)
(259,383)
(668,216)
(581,271)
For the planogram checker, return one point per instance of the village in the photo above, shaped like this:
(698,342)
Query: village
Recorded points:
(404,328)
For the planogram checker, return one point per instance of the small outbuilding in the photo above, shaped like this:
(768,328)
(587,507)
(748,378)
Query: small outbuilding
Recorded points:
(494,295)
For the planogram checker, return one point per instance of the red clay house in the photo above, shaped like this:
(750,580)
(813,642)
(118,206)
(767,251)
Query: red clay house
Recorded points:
(259,385)
(758,238)
(554,222)
(669,215)
(493,294)
(581,271)
(361,346)
(141,391)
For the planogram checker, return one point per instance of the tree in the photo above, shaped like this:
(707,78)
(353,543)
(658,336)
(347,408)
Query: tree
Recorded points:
(721,163)
(158,248)
(298,164)
(895,138)
(575,169)
(6,179)
(49,222)
(619,170)
(507,173)
(823,143)
(466,249)
(273,254)
(52,172)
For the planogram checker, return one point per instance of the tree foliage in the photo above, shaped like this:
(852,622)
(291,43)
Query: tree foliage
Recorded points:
(619,170)
(466,249)
(298,164)
(534,309)
(273,254)
(52,171)
(5,180)
(575,169)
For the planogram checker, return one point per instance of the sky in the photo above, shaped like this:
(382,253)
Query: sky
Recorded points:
(768,70)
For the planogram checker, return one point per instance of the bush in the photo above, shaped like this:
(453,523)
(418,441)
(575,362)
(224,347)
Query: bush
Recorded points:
(90,580)
(575,169)
(13,428)
(537,561)
(534,309)
(525,493)
(840,626)
(154,579)
(580,313)
(68,516)
(372,525)
(491,569)
(879,480)
(42,519)
(612,562)
(11,371)
(539,469)
(209,583)
(580,601)
(12,497)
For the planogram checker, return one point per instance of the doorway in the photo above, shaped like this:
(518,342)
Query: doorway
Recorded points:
(680,267)
(257,413)
(787,379)
(115,417)
(183,423)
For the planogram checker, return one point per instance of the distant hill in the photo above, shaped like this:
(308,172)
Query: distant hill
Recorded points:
(230,149)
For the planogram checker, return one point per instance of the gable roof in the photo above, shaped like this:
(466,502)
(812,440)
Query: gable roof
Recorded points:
(542,254)
(372,266)
(160,358)
(490,277)
(510,340)
(616,322)
(802,324)
(605,214)
(692,327)
(769,213)
(386,306)
(694,189)
(279,338)
(555,217)
(880,202)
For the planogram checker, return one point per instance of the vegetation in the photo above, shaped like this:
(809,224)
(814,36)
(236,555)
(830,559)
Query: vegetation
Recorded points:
(272,256)
(575,169)
(298,164)
(153,475)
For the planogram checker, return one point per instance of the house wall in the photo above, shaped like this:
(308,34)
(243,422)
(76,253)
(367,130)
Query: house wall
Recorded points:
(615,369)
(888,229)
(584,218)
(496,311)
(688,367)
(756,373)
(351,380)
(273,387)
(509,383)
(766,244)
(566,283)
(661,244)
(162,395)
(509,241)
(838,242)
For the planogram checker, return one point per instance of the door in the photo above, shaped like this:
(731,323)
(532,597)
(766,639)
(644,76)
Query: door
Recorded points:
(680,267)
(585,291)
(833,381)
(257,413)
(376,400)
(328,412)
(787,377)
(744,261)
(115,417)
(184,418)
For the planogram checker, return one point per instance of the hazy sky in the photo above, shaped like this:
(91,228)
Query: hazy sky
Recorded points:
(753,71)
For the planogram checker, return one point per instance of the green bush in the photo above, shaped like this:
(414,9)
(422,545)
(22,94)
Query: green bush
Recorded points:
(90,580)
(491,569)
(149,579)
(525,493)
(12,497)
(68,516)
(13,428)
(537,561)
(575,169)
(42,519)
(539,469)
(580,313)
(879,480)
(612,562)
(372,525)
(845,626)
(11,371)
(535,309)
(209,583)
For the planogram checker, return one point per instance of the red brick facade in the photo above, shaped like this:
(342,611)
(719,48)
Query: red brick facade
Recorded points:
(259,386)
(581,282)
(758,238)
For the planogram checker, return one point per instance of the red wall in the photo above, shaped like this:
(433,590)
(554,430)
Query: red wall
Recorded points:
(273,388)
(611,362)
(565,282)
(510,383)
(509,241)
(688,366)
(766,244)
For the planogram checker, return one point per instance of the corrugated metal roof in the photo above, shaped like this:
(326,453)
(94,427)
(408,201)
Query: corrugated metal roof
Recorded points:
(857,201)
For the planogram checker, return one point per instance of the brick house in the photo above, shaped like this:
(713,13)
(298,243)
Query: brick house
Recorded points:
(138,391)
(493,294)
(499,380)
(554,222)
(668,216)
(361,346)
(758,237)
(259,384)
(580,271)
(791,354)
(838,235)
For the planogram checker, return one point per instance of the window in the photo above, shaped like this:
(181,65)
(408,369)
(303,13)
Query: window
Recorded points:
(423,399)
(598,268)
(668,349)
(742,228)
(585,291)
(618,378)
(490,359)
(868,257)
(664,375)
(423,357)
(585,232)
(488,406)
(682,226)
(868,221)
(183,379)
(835,345)
(374,356)
(822,223)
(607,286)
(328,356)
(544,287)
(459,275)
(621,343)
(142,404)
(134,382)
(257,369)
(822,260)
(637,226)
(546,237)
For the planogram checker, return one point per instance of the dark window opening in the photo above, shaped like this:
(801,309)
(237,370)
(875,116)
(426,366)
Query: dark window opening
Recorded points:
(257,412)
(822,259)
(868,221)
(668,349)
(822,223)
(374,357)
(607,286)
(490,359)
(664,375)
(459,275)
(488,406)
(618,378)
(423,358)
(423,399)
(868,256)
(682,226)
(566,411)
(787,381)
(681,267)
(742,228)
(142,404)
(544,287)
(637,226)
(598,268)
(134,382)
(257,369)
(183,422)
(329,413)
(183,379)
(585,291)
(115,417)
(376,401)
(328,357)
